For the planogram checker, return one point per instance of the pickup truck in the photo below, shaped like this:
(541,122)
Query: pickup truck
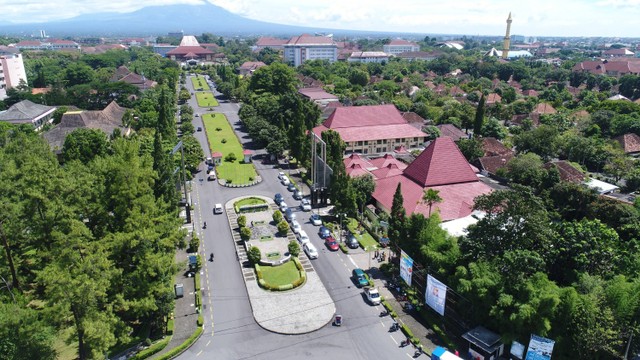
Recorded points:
(372,295)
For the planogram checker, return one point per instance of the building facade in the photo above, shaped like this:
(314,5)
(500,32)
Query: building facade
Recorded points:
(398,46)
(369,57)
(11,72)
(306,47)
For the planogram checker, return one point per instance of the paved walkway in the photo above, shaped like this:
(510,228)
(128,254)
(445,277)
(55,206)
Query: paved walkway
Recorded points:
(298,311)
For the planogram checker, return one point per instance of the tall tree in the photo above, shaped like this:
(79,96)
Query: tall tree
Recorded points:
(479,119)
(165,185)
(397,219)
(165,116)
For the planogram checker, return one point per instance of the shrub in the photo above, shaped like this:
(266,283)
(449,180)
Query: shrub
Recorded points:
(344,248)
(153,349)
(283,227)
(148,342)
(242,221)
(196,281)
(250,178)
(277,216)
(218,129)
(194,243)
(231,157)
(254,255)
(182,347)
(294,248)
(298,264)
(245,233)
(201,320)
(224,141)
(170,327)
(198,262)
(285,287)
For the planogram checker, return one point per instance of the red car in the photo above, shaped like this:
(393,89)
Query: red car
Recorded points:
(331,243)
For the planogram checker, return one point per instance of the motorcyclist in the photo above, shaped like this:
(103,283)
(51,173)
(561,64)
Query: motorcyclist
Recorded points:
(205,225)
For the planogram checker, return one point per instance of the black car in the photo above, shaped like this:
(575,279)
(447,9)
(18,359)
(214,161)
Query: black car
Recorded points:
(351,241)
(324,232)
(291,187)
(297,195)
(278,198)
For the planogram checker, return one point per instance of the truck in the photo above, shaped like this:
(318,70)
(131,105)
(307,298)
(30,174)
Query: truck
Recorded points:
(372,295)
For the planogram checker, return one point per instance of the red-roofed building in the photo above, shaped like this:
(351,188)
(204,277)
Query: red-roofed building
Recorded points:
(269,42)
(124,74)
(399,46)
(190,51)
(318,96)
(413,119)
(248,67)
(451,131)
(489,165)
(388,160)
(493,98)
(492,146)
(612,67)
(619,52)
(441,167)
(567,171)
(306,47)
(630,143)
(372,129)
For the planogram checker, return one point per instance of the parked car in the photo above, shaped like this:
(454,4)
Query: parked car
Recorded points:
(281,176)
(295,226)
(278,198)
(372,295)
(211,176)
(310,250)
(315,219)
(351,241)
(198,128)
(291,187)
(360,278)
(324,232)
(331,243)
(217,209)
(289,215)
(283,206)
(303,238)
(305,205)
(285,181)
(297,195)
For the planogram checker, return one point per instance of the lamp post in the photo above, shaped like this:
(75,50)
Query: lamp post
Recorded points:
(341,215)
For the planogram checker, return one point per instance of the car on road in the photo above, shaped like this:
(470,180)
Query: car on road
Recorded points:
(297,195)
(331,243)
(198,128)
(351,241)
(295,226)
(303,238)
(310,250)
(211,176)
(372,295)
(289,215)
(305,205)
(217,209)
(324,232)
(281,176)
(283,206)
(291,187)
(285,181)
(360,277)
(278,198)
(315,219)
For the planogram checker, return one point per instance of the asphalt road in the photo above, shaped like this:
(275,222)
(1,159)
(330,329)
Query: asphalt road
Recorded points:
(230,331)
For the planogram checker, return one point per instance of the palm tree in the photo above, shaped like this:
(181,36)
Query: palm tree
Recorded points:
(430,197)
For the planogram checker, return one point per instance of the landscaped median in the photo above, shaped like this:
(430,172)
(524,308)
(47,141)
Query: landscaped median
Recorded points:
(222,139)
(200,83)
(283,277)
(206,99)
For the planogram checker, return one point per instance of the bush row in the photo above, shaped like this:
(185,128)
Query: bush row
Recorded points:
(407,332)
(196,281)
(182,347)
(200,320)
(170,326)
(344,248)
(153,349)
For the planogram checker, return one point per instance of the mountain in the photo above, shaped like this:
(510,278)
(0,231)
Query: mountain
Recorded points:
(158,20)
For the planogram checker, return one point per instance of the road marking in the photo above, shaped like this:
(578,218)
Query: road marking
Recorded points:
(394,340)
(410,356)
(353,262)
(198,354)
(208,342)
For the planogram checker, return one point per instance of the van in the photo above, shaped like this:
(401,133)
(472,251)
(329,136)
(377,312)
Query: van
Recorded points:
(360,278)
(289,215)
(217,209)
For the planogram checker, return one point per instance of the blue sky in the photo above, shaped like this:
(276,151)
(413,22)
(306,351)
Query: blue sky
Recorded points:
(473,17)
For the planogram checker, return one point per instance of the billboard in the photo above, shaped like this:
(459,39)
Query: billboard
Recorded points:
(540,348)
(517,350)
(436,294)
(406,267)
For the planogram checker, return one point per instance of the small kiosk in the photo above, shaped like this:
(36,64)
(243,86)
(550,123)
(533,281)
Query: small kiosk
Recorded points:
(483,344)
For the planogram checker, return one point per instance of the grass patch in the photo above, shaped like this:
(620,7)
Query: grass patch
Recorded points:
(235,172)
(63,350)
(273,255)
(365,239)
(266,238)
(284,274)
(199,82)
(249,201)
(206,99)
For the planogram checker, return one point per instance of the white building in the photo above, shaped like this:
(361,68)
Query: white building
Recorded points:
(307,47)
(399,46)
(369,57)
(11,72)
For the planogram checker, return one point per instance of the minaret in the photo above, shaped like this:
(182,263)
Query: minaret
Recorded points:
(507,39)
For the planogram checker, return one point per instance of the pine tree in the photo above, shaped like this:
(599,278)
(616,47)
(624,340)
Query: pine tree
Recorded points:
(479,120)
(165,184)
(398,218)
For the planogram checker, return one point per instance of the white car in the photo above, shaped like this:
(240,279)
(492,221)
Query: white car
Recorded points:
(303,238)
(310,250)
(315,219)
(281,175)
(283,206)
(217,209)
(285,181)
(305,205)
(295,226)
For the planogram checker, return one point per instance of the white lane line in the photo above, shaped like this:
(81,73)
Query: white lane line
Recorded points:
(394,340)
(208,342)
(410,356)
(353,262)
(198,354)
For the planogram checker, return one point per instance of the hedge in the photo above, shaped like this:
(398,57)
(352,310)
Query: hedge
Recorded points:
(344,248)
(182,347)
(170,327)
(198,299)
(153,349)
(200,320)
(409,334)
(197,281)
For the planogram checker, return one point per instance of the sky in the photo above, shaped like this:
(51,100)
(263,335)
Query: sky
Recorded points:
(610,18)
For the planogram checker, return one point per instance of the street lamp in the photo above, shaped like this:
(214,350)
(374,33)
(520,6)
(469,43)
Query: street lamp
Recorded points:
(340,217)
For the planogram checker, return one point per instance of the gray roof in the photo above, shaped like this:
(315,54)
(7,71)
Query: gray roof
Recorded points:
(24,112)
(107,120)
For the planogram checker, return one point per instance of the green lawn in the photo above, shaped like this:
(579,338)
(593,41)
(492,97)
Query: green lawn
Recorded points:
(236,172)
(200,83)
(365,239)
(284,274)
(206,99)
(249,201)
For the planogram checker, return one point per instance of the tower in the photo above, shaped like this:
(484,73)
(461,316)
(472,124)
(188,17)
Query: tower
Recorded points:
(507,39)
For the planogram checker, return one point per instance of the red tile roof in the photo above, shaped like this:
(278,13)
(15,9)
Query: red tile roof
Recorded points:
(390,170)
(316,93)
(493,98)
(451,131)
(567,171)
(630,143)
(358,159)
(439,164)
(401,42)
(251,65)
(412,117)
(306,39)
(530,92)
(184,50)
(387,160)
(355,170)
(491,164)
(269,41)
(492,147)
(216,155)
(544,108)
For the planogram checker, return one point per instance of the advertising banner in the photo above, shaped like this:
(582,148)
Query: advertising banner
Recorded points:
(436,294)
(540,348)
(517,350)
(406,267)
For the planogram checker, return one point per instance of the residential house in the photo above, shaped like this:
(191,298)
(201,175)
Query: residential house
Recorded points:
(541,109)
(248,67)
(451,131)
(441,167)
(496,156)
(306,47)
(630,143)
(618,52)
(318,96)
(399,46)
(493,99)
(413,119)
(567,171)
(107,120)
(373,129)
(27,112)
(125,75)
(611,67)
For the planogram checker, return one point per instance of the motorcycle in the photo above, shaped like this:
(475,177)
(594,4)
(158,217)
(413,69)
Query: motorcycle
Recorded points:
(418,352)
(384,313)
(404,343)
(205,225)
(394,327)
(211,257)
